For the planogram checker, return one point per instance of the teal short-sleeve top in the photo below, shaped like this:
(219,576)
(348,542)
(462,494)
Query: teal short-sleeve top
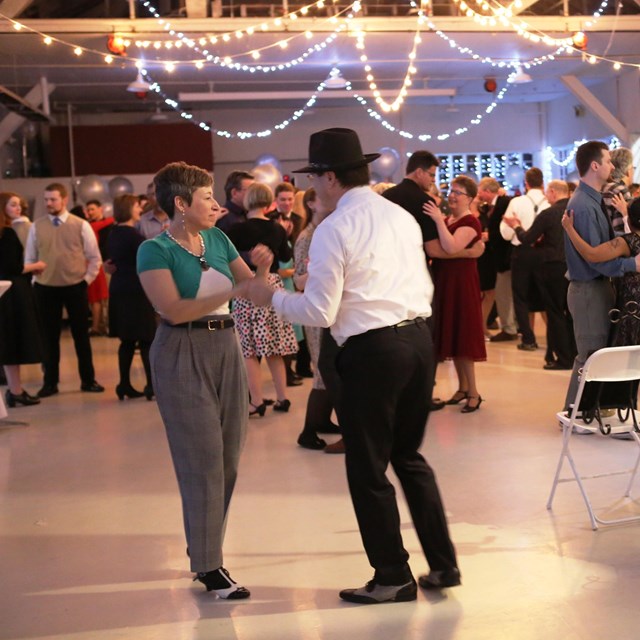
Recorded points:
(191,281)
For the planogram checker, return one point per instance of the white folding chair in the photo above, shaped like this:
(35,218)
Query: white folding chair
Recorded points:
(612,364)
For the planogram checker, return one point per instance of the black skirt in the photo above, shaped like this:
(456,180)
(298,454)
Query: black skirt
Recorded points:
(131,317)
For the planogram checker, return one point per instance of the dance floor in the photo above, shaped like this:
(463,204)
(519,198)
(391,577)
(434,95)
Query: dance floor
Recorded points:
(92,548)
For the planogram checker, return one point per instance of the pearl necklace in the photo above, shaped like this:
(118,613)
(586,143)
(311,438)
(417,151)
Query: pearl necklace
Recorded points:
(204,265)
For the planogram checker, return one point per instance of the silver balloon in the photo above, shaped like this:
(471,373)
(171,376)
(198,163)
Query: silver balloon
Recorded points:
(574,176)
(387,164)
(267,158)
(107,210)
(92,187)
(267,174)
(514,175)
(119,186)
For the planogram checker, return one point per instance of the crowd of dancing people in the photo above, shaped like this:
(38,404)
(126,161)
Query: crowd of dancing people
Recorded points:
(365,290)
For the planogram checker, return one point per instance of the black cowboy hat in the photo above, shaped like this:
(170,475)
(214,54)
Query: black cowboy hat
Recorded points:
(335,150)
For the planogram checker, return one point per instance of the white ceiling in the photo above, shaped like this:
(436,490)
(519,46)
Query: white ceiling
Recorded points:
(93,86)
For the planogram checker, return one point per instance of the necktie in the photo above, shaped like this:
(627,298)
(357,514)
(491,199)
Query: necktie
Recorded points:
(57,222)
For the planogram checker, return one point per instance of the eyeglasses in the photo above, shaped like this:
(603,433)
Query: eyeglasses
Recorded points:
(459,193)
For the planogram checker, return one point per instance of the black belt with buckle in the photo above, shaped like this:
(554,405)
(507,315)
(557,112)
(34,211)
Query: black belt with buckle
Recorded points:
(399,325)
(211,325)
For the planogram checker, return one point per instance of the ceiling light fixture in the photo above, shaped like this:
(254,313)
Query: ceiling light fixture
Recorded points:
(139,86)
(335,80)
(519,77)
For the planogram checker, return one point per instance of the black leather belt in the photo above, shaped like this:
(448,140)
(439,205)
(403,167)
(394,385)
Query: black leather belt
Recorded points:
(399,325)
(211,325)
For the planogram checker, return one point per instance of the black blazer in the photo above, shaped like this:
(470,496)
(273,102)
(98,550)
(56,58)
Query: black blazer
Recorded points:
(500,248)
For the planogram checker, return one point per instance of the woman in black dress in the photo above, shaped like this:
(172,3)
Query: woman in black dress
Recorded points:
(131,316)
(262,333)
(19,330)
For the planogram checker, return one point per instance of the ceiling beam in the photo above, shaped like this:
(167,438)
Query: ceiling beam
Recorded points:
(13,8)
(523,6)
(547,24)
(596,107)
(227,96)
(12,121)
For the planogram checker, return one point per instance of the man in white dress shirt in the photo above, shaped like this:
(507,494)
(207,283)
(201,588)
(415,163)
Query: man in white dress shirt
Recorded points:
(368,281)
(69,247)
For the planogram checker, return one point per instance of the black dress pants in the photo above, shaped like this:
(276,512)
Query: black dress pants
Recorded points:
(526,266)
(51,301)
(386,383)
(560,336)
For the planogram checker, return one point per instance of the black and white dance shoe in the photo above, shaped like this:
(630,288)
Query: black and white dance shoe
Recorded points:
(440,579)
(222,584)
(375,593)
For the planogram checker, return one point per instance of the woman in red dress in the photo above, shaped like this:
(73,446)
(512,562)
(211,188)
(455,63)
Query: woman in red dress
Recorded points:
(457,301)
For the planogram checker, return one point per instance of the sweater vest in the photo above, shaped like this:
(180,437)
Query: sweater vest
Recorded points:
(62,249)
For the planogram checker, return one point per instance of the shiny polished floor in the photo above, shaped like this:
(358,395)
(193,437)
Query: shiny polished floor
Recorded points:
(91,542)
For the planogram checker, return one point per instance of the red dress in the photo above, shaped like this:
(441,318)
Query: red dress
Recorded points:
(457,303)
(98,290)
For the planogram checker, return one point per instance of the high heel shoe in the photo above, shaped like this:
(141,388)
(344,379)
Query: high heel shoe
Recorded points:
(470,409)
(127,391)
(223,584)
(458,397)
(282,406)
(258,410)
(148,393)
(20,398)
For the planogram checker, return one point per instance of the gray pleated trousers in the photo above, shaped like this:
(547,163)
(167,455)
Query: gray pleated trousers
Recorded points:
(200,384)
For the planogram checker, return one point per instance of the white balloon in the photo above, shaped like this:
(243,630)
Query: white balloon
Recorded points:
(387,164)
(92,187)
(119,186)
(267,174)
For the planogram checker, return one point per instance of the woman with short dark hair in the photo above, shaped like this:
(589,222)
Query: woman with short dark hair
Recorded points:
(189,273)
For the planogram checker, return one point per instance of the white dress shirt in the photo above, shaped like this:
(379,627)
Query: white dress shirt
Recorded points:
(366,269)
(89,243)
(523,207)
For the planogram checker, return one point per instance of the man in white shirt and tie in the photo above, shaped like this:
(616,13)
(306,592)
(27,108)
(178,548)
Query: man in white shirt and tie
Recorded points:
(368,281)
(69,247)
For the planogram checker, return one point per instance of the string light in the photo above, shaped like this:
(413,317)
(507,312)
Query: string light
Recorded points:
(550,154)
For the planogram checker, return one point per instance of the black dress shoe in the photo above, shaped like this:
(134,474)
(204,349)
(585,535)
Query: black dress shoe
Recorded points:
(557,366)
(329,427)
(503,336)
(222,584)
(374,593)
(311,441)
(282,406)
(92,387)
(528,346)
(440,579)
(47,390)
(294,382)
(20,398)
(436,404)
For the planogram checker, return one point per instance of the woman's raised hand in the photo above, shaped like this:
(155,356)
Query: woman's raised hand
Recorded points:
(262,257)
(432,211)
(567,219)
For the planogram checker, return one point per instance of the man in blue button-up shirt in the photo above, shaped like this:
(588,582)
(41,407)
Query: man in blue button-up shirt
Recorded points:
(591,295)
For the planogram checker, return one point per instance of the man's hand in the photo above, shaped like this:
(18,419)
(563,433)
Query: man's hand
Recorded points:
(259,292)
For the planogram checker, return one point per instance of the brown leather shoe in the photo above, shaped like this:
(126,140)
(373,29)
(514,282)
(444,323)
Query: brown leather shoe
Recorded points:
(336,447)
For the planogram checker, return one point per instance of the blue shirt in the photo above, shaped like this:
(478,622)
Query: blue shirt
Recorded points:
(594,228)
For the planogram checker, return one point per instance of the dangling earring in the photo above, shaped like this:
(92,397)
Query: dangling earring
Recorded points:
(184,223)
